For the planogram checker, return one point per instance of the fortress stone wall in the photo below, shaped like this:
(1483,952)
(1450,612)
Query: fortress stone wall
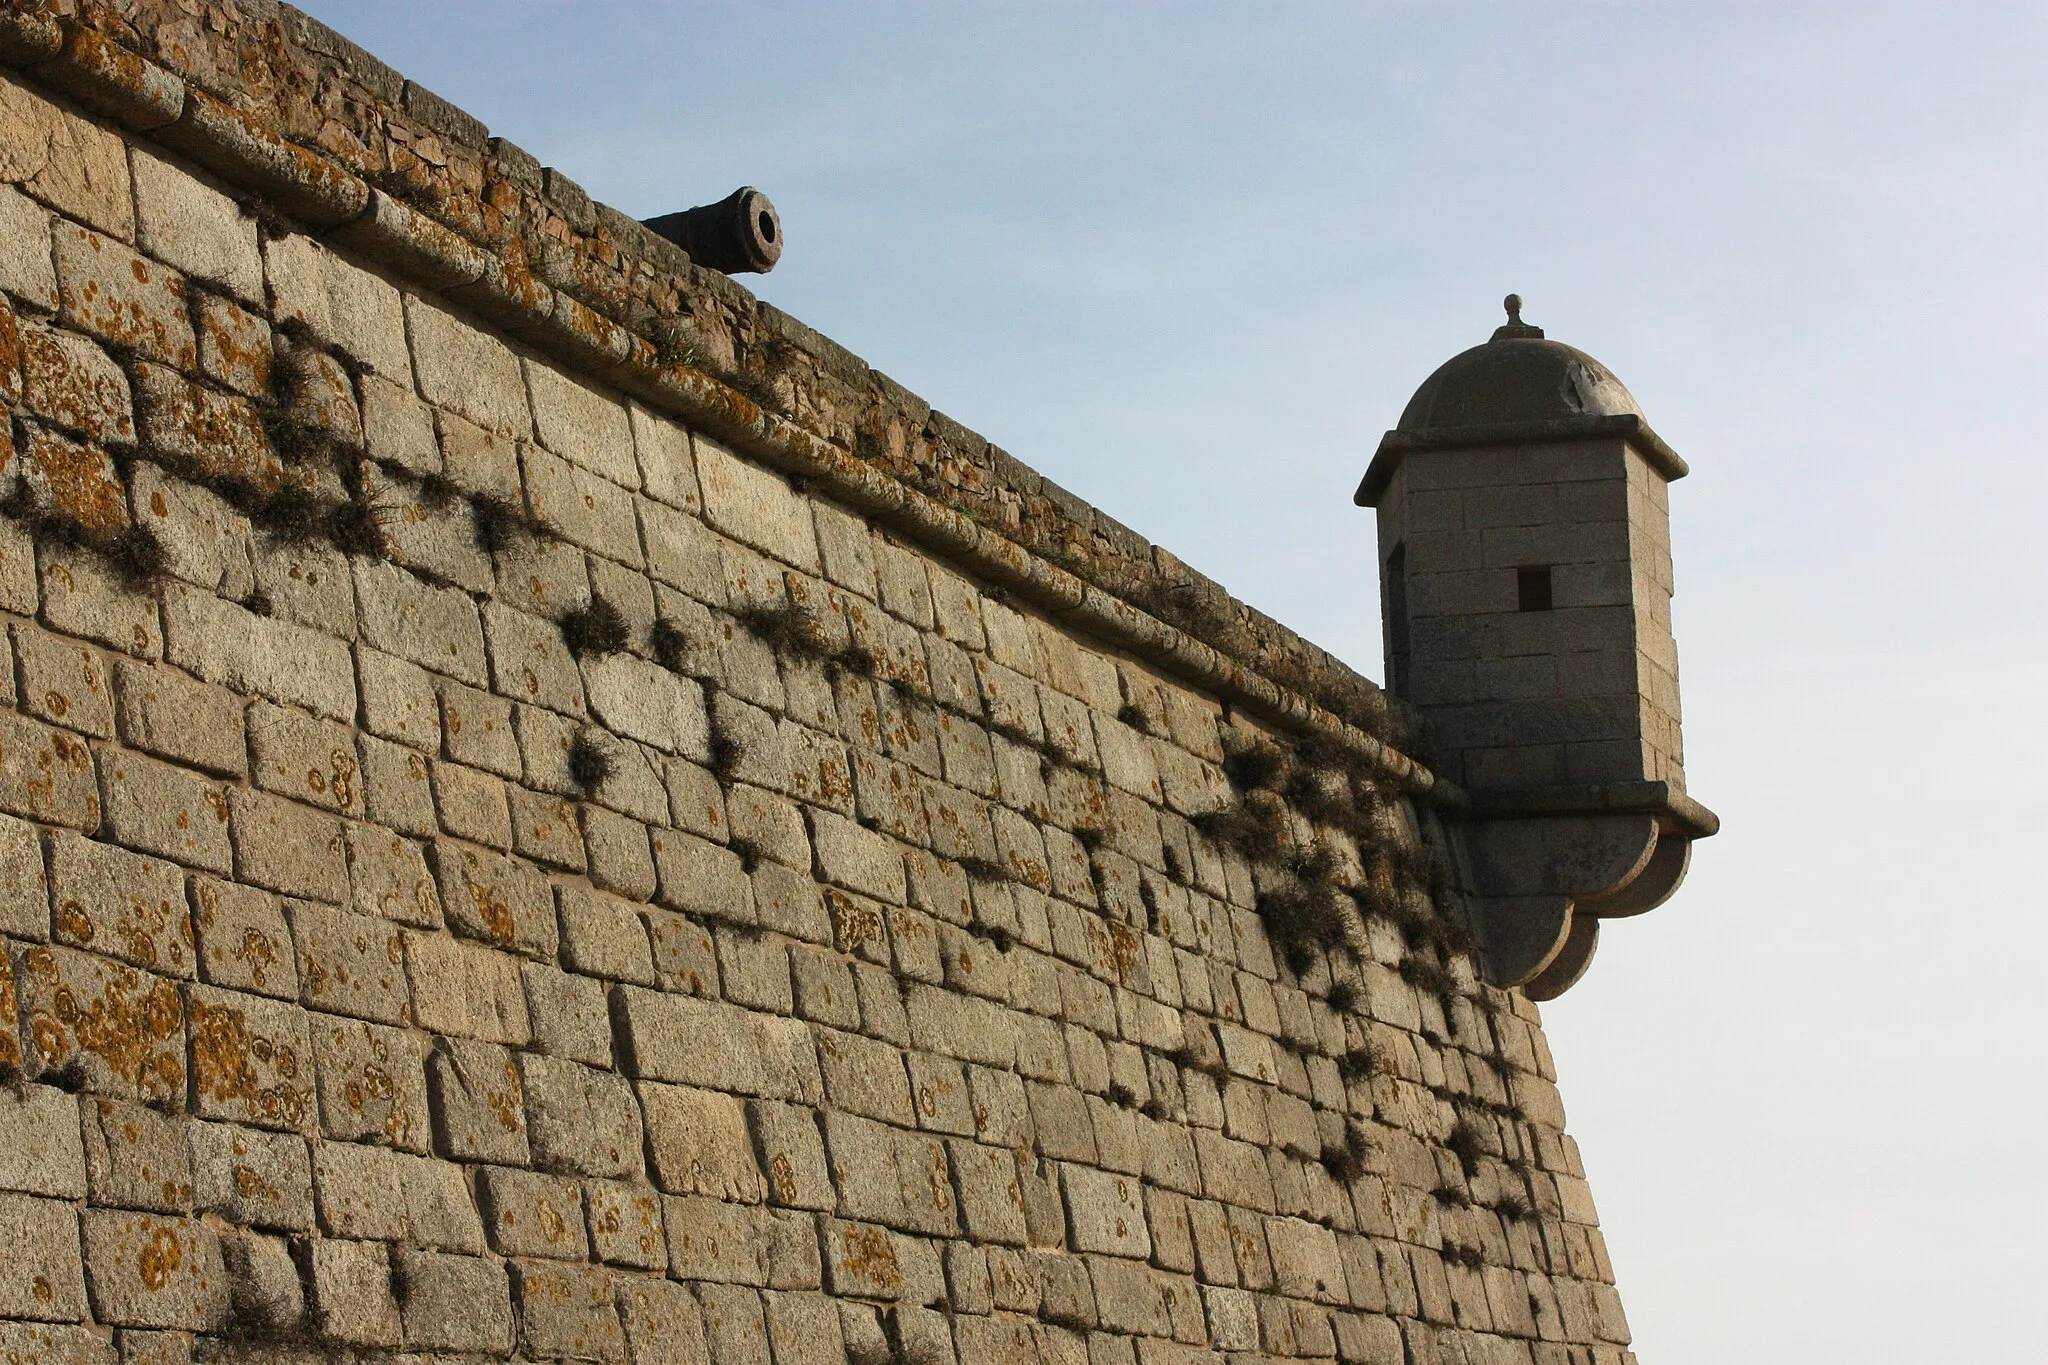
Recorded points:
(552,813)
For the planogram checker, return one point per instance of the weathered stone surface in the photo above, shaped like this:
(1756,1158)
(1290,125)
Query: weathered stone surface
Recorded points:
(755,507)
(236,346)
(197,229)
(582,424)
(454,1303)
(264,1287)
(527,1214)
(136,1158)
(466,991)
(388,877)
(71,383)
(792,1152)
(861,1261)
(646,702)
(352,1293)
(147,1270)
(709,1239)
(124,1030)
(604,937)
(662,1323)
(25,265)
(174,717)
(304,758)
(582,1119)
(40,1149)
(436,628)
(41,1277)
(252,1178)
(42,1343)
(372,1082)
(25,899)
(466,371)
(202,432)
(105,289)
(567,1312)
(698,1143)
(165,810)
(704,878)
(252,1061)
(570,1018)
(348,308)
(46,774)
(244,941)
(83,594)
(77,167)
(494,899)
(350,964)
(250,654)
(119,903)
(625,1224)
(478,1103)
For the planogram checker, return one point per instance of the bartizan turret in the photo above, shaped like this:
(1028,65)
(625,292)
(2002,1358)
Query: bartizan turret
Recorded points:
(1525,581)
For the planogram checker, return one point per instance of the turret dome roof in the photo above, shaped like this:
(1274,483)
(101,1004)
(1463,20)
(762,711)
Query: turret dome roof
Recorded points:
(1518,376)
(1518,389)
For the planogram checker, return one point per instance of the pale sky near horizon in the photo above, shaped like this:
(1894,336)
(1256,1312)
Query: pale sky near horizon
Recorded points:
(1189,260)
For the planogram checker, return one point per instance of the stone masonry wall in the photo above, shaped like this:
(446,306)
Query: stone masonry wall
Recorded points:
(493,867)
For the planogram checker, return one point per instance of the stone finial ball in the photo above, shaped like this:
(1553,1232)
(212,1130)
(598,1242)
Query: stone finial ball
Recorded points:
(1513,303)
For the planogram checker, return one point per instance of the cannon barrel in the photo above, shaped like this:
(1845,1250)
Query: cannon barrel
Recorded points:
(740,234)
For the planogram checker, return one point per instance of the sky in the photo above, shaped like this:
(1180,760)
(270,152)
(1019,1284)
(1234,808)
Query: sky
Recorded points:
(1189,260)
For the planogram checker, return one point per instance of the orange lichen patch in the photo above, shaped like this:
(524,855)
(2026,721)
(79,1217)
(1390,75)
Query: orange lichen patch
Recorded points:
(854,924)
(69,382)
(557,826)
(47,773)
(868,1253)
(235,346)
(159,1257)
(782,1174)
(216,434)
(1117,946)
(246,1072)
(937,1180)
(1031,871)
(492,910)
(149,931)
(79,480)
(10,1040)
(259,953)
(10,355)
(78,1007)
(507,1102)
(608,1219)
(337,781)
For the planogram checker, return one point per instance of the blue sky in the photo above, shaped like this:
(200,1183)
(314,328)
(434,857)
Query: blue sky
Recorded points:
(1190,260)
